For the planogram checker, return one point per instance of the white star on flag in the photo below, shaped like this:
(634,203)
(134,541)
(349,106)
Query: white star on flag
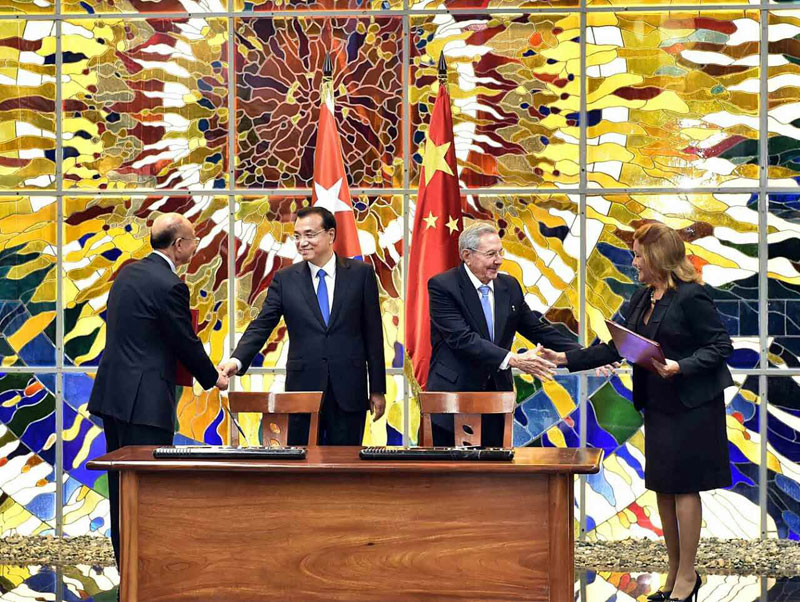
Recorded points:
(329,197)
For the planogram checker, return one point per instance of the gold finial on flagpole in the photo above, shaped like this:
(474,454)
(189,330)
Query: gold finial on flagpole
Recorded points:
(442,68)
(327,67)
(327,81)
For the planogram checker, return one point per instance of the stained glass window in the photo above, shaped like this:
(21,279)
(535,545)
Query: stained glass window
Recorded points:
(85,491)
(783,141)
(143,6)
(671,99)
(27,6)
(721,235)
(783,292)
(28,436)
(28,284)
(115,111)
(496,5)
(103,233)
(515,95)
(145,103)
(316,5)
(27,104)
(783,455)
(30,582)
(278,78)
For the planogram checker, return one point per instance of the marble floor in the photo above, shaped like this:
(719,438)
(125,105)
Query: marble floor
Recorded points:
(84,583)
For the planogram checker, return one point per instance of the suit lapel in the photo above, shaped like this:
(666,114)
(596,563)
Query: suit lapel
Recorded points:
(660,312)
(303,277)
(470,296)
(637,307)
(502,299)
(340,286)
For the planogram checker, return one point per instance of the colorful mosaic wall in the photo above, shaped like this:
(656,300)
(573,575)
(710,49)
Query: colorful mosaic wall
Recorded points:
(108,120)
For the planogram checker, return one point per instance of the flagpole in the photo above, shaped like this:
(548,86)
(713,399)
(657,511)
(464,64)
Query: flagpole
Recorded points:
(327,79)
(408,364)
(329,186)
(327,69)
(438,221)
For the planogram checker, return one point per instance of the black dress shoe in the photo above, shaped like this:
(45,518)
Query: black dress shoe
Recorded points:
(659,596)
(693,595)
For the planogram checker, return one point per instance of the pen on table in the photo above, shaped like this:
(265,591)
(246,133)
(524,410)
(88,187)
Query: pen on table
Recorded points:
(236,424)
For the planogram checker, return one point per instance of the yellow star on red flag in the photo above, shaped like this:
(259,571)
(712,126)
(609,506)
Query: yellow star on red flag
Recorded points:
(430,220)
(434,159)
(435,243)
(453,225)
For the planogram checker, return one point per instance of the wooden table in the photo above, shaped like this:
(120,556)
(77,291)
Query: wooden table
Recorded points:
(334,527)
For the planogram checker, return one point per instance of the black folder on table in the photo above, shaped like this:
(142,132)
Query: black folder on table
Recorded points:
(206,452)
(442,454)
(634,347)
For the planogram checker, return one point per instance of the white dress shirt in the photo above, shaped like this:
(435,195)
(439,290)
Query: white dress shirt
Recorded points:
(330,280)
(478,284)
(168,260)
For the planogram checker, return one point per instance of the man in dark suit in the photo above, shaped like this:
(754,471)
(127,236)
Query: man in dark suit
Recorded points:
(475,313)
(330,305)
(148,330)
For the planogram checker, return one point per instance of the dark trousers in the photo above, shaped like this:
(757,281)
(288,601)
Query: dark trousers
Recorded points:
(336,426)
(492,426)
(119,434)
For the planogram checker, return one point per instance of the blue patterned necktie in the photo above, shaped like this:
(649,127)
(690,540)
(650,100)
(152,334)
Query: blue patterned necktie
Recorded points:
(322,297)
(487,310)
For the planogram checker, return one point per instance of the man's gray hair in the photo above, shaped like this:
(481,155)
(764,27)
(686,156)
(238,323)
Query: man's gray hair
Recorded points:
(471,236)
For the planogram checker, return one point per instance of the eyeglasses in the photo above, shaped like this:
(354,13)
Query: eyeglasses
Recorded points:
(491,254)
(307,236)
(186,238)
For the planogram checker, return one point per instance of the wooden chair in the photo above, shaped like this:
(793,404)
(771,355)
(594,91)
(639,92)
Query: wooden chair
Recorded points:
(275,409)
(467,407)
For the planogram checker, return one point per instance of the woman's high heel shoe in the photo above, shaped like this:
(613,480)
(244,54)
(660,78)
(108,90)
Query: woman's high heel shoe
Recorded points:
(693,595)
(659,596)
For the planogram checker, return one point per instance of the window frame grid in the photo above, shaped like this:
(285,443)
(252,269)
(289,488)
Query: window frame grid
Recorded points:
(583,190)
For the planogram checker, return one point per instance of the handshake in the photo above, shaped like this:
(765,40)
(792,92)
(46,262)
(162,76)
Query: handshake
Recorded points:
(222,381)
(536,362)
(539,362)
(542,363)
(226,370)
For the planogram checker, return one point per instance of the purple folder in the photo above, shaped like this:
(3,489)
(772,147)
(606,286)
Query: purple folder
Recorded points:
(634,347)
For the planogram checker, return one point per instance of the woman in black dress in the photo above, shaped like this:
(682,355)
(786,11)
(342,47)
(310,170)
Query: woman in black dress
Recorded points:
(686,446)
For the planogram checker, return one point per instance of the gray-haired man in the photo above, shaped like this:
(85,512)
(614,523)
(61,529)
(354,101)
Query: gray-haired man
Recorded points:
(475,313)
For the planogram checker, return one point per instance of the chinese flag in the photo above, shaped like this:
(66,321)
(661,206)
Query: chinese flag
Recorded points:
(330,188)
(434,239)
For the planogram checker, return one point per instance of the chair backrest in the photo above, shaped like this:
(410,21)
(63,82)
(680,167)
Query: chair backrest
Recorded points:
(467,407)
(275,409)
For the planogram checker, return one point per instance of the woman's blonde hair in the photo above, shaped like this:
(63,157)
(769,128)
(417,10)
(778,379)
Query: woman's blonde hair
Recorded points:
(664,254)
